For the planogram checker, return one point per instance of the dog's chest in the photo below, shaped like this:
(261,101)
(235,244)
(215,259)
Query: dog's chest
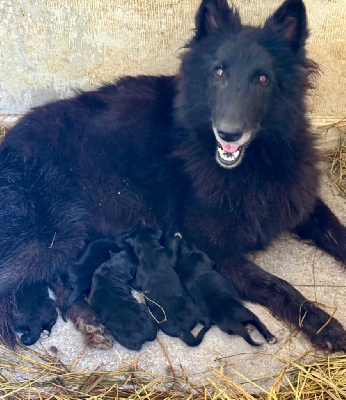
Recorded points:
(247,224)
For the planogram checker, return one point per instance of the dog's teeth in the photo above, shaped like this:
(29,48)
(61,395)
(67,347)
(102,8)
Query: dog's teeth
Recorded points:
(228,156)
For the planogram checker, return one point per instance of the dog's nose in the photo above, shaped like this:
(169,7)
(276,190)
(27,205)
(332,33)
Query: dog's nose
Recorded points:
(230,136)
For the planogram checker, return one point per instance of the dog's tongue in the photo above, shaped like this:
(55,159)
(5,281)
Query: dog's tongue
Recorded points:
(229,148)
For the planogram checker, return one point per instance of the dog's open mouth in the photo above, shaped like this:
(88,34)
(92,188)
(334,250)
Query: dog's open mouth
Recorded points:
(228,155)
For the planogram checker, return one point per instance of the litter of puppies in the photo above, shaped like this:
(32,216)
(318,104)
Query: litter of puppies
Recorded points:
(95,294)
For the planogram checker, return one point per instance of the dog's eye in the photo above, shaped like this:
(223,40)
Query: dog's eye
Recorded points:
(219,72)
(262,80)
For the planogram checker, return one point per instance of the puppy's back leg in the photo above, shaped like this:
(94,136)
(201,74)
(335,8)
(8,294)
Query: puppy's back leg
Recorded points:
(262,329)
(191,340)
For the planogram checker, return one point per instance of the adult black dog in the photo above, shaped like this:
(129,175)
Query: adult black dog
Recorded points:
(165,296)
(111,298)
(222,152)
(215,296)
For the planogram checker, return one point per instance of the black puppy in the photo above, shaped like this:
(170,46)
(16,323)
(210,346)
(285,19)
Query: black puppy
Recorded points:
(215,296)
(35,312)
(166,298)
(128,320)
(78,274)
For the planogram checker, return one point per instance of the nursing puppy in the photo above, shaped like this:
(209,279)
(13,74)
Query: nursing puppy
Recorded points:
(128,320)
(166,298)
(215,296)
(35,312)
(78,274)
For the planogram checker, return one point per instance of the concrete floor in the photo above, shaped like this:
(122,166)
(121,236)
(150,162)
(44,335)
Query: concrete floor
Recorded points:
(315,274)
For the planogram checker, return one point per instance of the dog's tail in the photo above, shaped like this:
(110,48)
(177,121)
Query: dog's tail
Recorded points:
(8,335)
(191,340)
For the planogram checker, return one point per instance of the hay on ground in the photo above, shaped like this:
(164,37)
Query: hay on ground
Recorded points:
(28,374)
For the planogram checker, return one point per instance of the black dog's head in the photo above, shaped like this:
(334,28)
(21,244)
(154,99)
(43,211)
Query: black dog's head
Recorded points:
(232,76)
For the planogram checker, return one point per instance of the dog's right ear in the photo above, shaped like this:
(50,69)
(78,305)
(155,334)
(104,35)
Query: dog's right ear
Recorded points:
(289,20)
(214,15)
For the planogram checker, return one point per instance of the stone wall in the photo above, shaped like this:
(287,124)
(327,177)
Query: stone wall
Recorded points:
(49,47)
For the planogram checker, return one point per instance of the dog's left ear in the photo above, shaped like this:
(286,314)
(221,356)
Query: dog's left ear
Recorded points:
(290,20)
(214,15)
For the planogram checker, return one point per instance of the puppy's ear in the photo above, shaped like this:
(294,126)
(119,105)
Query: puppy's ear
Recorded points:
(215,15)
(289,20)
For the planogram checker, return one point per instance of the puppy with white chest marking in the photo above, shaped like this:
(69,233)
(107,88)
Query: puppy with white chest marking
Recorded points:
(166,298)
(216,297)
(128,320)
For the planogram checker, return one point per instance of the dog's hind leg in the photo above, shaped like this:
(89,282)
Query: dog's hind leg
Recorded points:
(43,226)
(325,230)
(83,317)
(282,299)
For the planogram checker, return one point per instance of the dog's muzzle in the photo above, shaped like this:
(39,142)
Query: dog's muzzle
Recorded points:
(229,154)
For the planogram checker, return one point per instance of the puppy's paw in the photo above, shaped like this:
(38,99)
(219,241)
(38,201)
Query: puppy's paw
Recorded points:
(272,339)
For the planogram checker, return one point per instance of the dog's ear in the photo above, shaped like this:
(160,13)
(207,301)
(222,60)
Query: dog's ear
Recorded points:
(214,15)
(290,21)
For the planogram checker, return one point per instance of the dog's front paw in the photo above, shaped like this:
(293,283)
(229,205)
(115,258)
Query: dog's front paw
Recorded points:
(327,335)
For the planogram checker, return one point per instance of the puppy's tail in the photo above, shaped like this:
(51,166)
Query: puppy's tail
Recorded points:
(191,340)
(7,332)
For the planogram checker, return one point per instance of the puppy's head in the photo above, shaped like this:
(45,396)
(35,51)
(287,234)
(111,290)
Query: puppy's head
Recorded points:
(143,238)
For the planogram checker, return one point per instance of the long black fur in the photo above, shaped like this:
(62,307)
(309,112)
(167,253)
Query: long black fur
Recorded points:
(145,148)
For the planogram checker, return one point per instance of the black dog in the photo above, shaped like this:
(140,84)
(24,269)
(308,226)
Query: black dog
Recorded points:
(165,296)
(35,312)
(78,274)
(215,296)
(111,298)
(222,152)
